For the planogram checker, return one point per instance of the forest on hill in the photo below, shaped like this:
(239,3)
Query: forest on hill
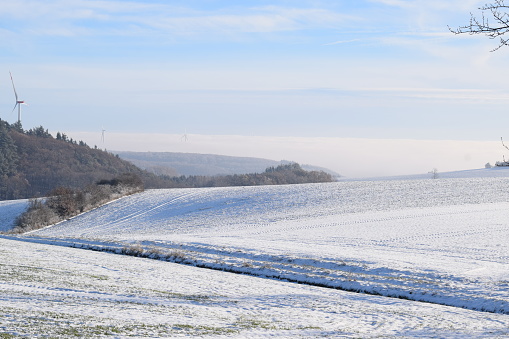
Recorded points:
(33,162)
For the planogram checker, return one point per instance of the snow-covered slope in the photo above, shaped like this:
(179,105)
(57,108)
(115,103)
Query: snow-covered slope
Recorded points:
(9,211)
(494,172)
(441,241)
(58,292)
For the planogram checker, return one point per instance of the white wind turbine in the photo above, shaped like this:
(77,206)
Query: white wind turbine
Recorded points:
(102,135)
(18,102)
(184,137)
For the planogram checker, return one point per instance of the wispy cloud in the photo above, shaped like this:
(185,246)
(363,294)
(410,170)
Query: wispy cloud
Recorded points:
(396,3)
(451,5)
(470,95)
(111,17)
(341,42)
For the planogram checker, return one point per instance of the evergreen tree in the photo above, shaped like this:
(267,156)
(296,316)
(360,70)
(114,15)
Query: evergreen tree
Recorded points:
(8,153)
(40,132)
(17,126)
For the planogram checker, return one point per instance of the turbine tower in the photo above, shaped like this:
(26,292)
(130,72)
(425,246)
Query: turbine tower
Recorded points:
(184,137)
(102,135)
(18,102)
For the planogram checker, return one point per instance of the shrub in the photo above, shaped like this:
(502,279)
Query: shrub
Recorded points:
(126,181)
(37,215)
(133,250)
(63,201)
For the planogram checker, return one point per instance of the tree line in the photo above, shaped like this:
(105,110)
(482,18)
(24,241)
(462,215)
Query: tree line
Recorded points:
(284,174)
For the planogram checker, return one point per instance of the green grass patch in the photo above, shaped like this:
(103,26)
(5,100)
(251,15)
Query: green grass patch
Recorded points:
(7,336)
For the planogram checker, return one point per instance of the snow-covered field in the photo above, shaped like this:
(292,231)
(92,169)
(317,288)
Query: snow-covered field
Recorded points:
(9,210)
(63,292)
(441,241)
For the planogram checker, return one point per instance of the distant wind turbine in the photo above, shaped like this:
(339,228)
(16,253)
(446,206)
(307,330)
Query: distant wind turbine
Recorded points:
(184,137)
(102,134)
(18,102)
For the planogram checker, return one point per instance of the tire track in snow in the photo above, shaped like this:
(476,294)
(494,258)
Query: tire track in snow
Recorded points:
(142,209)
(313,223)
(147,212)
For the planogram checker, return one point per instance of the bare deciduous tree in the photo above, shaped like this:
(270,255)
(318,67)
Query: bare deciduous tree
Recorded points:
(493,22)
(434,173)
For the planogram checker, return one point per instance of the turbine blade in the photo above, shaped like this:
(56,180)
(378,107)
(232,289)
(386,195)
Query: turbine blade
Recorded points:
(14,107)
(15,94)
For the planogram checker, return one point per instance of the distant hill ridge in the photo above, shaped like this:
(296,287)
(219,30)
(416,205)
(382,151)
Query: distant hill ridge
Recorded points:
(175,163)
(33,163)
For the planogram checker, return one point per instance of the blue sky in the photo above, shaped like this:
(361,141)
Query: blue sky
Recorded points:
(374,70)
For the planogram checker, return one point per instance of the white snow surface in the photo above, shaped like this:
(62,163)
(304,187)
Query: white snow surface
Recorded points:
(60,292)
(493,172)
(9,211)
(444,242)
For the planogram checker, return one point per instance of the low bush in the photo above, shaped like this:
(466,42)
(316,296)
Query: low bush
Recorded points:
(133,250)
(37,215)
(65,202)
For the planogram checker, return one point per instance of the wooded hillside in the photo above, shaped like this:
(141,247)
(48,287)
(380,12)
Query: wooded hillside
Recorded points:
(32,163)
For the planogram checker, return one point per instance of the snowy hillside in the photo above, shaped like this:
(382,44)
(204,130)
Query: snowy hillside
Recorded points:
(494,172)
(441,241)
(9,210)
(59,292)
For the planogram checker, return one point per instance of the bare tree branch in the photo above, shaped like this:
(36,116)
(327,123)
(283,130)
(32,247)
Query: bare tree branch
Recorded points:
(503,143)
(498,12)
